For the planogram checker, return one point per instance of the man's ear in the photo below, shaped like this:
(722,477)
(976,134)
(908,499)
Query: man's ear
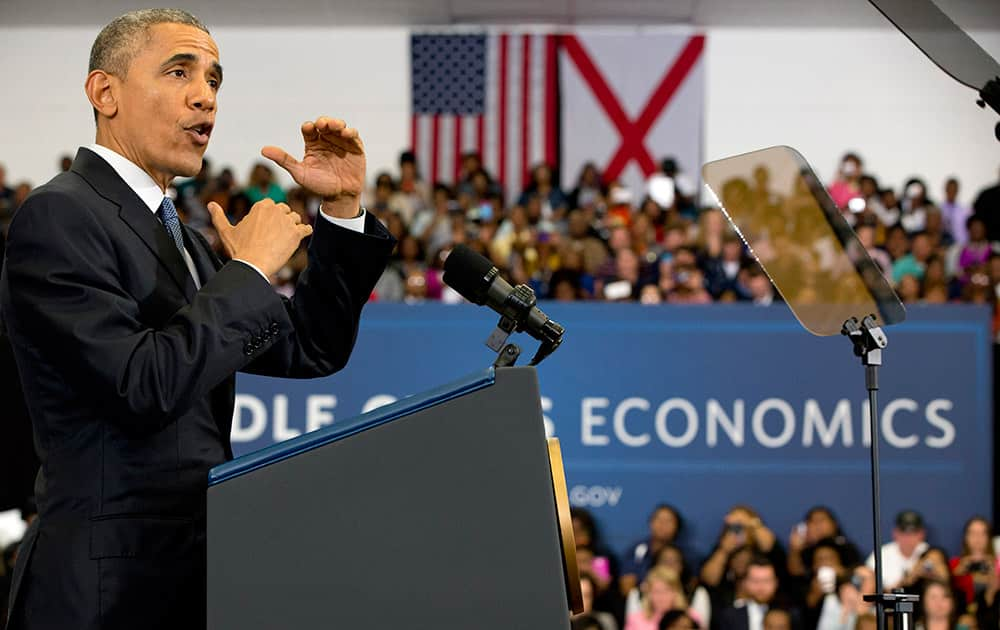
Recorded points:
(101,91)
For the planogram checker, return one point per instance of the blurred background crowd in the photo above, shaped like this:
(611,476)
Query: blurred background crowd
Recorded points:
(755,578)
(591,240)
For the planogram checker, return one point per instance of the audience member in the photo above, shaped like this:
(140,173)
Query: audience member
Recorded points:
(661,593)
(591,618)
(901,555)
(664,526)
(841,611)
(758,590)
(977,565)
(937,607)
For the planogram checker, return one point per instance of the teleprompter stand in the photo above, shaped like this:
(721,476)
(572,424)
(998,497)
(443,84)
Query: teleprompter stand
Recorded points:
(869,340)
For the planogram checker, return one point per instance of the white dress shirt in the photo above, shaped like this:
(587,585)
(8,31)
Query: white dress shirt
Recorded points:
(152,195)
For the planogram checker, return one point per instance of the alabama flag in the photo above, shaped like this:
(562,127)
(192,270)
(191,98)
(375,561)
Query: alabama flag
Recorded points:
(627,101)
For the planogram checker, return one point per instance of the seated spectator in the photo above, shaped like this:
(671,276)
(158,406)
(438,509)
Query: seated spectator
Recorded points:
(874,208)
(841,611)
(819,524)
(827,569)
(954,213)
(937,607)
(416,194)
(592,555)
(777,619)
(978,564)
(664,524)
(759,286)
(909,289)
(901,555)
(677,620)
(263,186)
(671,557)
(759,589)
(976,251)
(589,191)
(847,184)
(689,286)
(742,528)
(590,618)
(866,234)
(914,263)
(433,226)
(722,272)
(931,566)
(897,243)
(552,201)
(915,206)
(661,593)
(866,622)
(593,252)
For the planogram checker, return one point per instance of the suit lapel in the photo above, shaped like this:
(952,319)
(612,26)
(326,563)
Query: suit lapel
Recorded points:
(205,260)
(106,182)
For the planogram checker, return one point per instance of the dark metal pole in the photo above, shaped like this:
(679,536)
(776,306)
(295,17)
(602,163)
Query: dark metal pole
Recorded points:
(871,381)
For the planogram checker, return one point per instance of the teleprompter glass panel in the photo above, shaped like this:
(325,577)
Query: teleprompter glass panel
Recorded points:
(798,235)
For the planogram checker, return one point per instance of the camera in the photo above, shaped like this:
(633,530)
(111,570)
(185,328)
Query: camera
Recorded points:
(978,567)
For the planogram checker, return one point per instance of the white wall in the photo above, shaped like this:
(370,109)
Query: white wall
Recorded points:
(822,91)
(829,91)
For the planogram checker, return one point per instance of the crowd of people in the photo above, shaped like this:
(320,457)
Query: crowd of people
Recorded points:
(592,240)
(752,580)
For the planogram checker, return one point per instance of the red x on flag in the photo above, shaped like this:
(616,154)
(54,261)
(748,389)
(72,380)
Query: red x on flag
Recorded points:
(633,132)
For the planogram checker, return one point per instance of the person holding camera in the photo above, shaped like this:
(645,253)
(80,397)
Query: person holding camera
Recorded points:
(841,611)
(977,566)
(901,555)
(742,526)
(743,536)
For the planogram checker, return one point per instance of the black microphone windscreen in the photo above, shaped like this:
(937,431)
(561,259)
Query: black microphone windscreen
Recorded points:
(467,272)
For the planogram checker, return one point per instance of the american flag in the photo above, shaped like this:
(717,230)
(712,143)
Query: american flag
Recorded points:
(496,94)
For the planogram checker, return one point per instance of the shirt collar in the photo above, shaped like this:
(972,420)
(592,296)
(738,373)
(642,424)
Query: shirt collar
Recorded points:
(135,178)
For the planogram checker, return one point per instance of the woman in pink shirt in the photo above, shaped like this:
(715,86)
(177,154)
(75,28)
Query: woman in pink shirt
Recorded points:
(662,592)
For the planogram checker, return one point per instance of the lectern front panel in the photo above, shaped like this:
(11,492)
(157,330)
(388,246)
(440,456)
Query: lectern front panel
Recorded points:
(442,519)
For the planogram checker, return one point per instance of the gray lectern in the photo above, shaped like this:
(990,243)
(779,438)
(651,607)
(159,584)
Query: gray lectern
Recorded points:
(443,510)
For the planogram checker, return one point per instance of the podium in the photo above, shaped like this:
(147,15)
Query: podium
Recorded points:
(445,510)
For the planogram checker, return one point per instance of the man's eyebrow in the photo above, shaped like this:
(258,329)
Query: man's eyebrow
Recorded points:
(190,58)
(178,58)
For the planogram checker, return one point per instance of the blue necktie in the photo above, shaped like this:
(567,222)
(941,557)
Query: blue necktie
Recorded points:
(168,214)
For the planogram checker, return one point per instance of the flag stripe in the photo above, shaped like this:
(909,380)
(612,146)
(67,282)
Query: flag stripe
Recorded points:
(456,157)
(502,117)
(435,147)
(414,137)
(550,100)
(525,110)
(480,135)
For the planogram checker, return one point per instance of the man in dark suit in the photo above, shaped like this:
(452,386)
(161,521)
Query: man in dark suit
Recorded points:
(128,330)
(759,589)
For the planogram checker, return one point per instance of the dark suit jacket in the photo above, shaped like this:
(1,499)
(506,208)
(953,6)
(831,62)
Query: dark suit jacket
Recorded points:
(128,372)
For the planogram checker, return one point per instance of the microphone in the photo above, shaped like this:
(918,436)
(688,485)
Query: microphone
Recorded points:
(478,281)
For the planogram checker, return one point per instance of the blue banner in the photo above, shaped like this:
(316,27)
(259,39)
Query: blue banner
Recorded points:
(700,407)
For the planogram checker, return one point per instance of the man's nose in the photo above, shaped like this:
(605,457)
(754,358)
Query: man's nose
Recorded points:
(203,97)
